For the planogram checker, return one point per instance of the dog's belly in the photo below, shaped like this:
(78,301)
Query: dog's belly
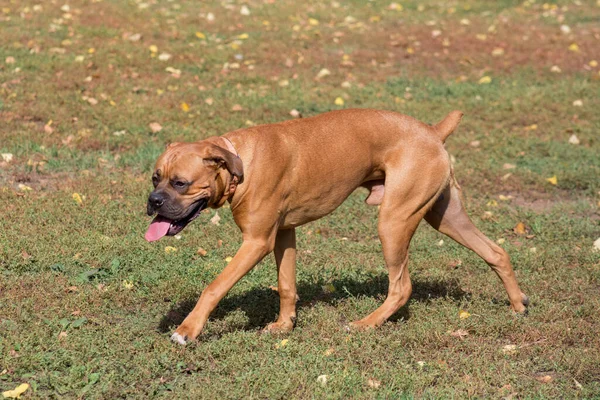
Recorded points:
(306,207)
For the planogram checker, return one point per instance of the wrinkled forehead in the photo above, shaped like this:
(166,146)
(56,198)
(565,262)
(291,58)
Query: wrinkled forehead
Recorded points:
(180,159)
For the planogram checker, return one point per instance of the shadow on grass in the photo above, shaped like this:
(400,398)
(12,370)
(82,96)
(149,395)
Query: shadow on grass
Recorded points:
(261,305)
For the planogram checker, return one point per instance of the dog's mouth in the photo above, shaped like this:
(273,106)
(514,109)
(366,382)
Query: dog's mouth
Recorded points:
(162,226)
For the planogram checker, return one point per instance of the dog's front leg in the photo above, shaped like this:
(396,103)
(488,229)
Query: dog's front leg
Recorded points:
(249,254)
(285,257)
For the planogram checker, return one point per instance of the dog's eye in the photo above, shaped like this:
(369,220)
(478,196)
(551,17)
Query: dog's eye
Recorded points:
(155,180)
(179,184)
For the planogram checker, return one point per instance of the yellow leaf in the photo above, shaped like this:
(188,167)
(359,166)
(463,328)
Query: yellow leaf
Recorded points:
(185,107)
(593,63)
(520,229)
(531,127)
(24,188)
(77,198)
(16,392)
(329,288)
(170,249)
(574,47)
(243,36)
(128,284)
(463,314)
(410,50)
(153,48)
(281,344)
(553,180)
(339,101)
(313,22)
(200,35)
(492,203)
(485,80)
(228,259)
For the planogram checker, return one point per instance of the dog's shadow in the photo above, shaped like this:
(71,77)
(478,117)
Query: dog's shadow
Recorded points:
(261,305)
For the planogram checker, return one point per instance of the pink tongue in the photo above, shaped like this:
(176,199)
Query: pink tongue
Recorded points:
(158,228)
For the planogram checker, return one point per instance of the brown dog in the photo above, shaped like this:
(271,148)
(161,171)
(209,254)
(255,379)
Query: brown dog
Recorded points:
(280,176)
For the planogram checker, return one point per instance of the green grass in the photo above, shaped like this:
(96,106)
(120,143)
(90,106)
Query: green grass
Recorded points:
(86,272)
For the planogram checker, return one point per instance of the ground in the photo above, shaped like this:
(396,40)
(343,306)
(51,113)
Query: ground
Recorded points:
(90,92)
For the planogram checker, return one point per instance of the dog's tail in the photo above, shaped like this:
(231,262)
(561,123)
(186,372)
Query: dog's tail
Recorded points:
(448,125)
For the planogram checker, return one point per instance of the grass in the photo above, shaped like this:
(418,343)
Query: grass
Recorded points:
(87,306)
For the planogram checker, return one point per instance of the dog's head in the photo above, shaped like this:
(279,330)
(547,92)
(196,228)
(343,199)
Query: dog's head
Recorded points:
(187,178)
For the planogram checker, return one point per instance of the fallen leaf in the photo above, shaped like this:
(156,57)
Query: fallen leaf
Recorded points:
(77,198)
(373,383)
(155,127)
(62,336)
(475,143)
(593,63)
(329,352)
(281,344)
(339,101)
(244,10)
(10,60)
(24,188)
(552,180)
(323,73)
(153,48)
(209,101)
(201,252)
(322,379)
(485,80)
(228,259)
(509,166)
(185,107)
(243,36)
(460,333)
(129,284)
(555,69)
(170,249)
(295,113)
(578,103)
(219,243)
(236,107)
(7,157)
(16,392)
(200,35)
(497,52)
(509,349)
(574,47)
(215,220)
(544,378)
(574,139)
(463,314)
(329,288)
(596,245)
(520,229)
(501,241)
(164,57)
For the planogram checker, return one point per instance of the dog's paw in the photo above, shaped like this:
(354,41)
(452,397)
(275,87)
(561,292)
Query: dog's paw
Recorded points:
(279,327)
(361,325)
(177,338)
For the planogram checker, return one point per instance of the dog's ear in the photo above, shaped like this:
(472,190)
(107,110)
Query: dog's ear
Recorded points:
(226,159)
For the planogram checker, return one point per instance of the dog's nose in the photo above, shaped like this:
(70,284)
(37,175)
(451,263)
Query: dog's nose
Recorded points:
(156,200)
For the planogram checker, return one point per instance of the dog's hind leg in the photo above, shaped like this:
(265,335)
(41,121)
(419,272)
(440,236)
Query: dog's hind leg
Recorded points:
(405,202)
(449,217)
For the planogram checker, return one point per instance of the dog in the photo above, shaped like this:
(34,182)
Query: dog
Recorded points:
(279,176)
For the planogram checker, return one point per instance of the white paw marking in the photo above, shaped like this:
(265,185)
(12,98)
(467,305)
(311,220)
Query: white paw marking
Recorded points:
(177,338)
